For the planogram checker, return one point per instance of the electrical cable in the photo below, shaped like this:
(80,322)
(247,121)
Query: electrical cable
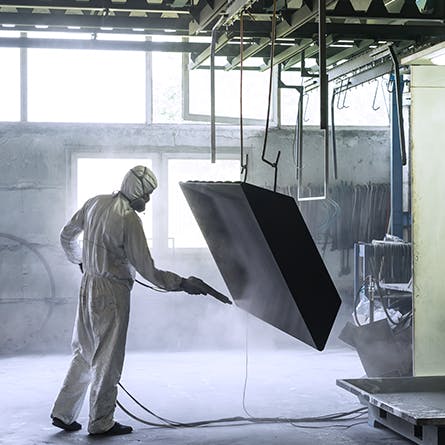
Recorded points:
(274,165)
(239,420)
(243,420)
(156,289)
(379,292)
(355,304)
(246,369)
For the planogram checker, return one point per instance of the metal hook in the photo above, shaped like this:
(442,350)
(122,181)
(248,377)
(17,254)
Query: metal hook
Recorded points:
(244,167)
(306,107)
(375,96)
(343,89)
(406,85)
(390,85)
(343,105)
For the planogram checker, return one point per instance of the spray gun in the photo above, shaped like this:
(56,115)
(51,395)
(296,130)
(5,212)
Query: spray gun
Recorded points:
(200,286)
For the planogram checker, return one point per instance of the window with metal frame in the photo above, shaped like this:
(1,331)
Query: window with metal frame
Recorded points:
(86,86)
(97,175)
(10,81)
(197,95)
(183,231)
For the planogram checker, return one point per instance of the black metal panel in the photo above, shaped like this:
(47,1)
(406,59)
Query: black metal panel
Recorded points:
(267,257)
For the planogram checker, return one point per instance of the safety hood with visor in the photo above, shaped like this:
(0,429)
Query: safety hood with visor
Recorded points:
(137,186)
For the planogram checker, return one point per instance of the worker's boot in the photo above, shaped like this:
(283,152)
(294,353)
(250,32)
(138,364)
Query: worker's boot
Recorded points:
(116,430)
(66,426)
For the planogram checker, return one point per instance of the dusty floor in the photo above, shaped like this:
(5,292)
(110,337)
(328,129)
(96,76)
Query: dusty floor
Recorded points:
(189,386)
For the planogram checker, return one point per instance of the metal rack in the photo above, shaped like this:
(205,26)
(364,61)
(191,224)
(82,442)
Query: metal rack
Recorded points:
(393,277)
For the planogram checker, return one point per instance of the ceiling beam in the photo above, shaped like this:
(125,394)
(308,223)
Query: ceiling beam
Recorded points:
(331,60)
(94,5)
(309,46)
(94,44)
(300,17)
(206,16)
(377,10)
(376,31)
(96,22)
(199,59)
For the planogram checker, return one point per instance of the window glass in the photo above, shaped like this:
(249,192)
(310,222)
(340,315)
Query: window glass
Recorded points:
(183,231)
(96,176)
(167,87)
(86,86)
(227,93)
(355,108)
(10,84)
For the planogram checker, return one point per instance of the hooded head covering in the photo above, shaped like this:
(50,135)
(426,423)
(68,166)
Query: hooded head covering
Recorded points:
(138,181)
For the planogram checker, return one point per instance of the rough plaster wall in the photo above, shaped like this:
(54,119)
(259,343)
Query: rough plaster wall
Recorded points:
(34,183)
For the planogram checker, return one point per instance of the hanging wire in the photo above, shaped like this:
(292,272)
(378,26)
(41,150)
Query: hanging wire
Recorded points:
(246,364)
(272,52)
(212,89)
(243,164)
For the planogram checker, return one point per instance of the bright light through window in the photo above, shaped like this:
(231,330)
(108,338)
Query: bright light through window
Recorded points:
(183,231)
(167,87)
(365,105)
(97,176)
(10,84)
(255,93)
(86,86)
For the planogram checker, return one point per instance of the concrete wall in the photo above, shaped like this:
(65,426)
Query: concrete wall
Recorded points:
(36,201)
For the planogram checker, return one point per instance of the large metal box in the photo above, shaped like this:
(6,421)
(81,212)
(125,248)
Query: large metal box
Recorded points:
(267,257)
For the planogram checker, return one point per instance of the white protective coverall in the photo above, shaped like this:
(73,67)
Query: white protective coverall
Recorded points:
(114,245)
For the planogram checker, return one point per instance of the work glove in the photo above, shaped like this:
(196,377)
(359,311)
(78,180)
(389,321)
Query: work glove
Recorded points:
(193,285)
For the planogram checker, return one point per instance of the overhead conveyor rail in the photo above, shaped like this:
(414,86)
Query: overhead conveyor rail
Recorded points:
(397,22)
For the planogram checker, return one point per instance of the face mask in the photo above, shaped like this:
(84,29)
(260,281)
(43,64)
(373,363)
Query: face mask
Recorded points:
(138,204)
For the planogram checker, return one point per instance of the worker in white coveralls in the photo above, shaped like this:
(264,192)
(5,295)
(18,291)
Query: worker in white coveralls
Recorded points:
(114,246)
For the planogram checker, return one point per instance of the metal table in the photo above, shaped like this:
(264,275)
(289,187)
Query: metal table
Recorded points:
(412,406)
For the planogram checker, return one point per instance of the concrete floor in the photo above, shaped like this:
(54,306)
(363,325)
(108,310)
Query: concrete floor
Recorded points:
(189,386)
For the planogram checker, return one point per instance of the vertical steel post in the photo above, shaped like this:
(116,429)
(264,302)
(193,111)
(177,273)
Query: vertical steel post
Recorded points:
(396,165)
(323,77)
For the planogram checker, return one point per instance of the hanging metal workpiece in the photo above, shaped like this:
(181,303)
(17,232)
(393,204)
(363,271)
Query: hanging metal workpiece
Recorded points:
(272,51)
(243,164)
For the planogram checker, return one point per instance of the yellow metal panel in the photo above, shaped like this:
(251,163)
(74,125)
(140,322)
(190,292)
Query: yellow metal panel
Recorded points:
(428,208)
